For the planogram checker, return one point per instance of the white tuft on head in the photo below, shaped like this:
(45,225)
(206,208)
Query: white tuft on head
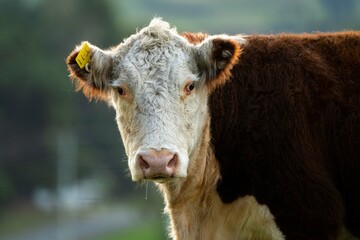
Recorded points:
(156,34)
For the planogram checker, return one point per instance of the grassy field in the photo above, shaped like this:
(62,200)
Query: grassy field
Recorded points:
(104,222)
(148,231)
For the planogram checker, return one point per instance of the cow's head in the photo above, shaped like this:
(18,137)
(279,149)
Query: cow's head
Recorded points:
(158,83)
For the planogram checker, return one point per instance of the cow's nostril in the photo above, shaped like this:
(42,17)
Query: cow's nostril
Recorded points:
(143,164)
(172,163)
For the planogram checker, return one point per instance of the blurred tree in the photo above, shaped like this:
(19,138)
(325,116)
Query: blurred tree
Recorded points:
(341,14)
(23,103)
(37,99)
(339,9)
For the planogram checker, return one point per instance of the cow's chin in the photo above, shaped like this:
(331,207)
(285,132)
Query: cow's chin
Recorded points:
(163,180)
(159,178)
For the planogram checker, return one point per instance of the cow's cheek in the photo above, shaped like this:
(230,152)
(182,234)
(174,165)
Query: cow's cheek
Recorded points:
(126,127)
(197,118)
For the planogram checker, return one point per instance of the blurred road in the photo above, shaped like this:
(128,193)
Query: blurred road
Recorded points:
(81,227)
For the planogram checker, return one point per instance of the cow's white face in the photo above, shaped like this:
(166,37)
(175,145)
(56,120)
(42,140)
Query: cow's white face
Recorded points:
(160,106)
(158,83)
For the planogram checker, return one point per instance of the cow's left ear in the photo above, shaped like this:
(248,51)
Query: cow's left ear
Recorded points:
(215,57)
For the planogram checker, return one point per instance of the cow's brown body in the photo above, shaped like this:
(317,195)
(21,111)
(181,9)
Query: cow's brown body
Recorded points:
(286,129)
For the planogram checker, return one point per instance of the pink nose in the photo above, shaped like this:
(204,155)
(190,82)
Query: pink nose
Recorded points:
(157,164)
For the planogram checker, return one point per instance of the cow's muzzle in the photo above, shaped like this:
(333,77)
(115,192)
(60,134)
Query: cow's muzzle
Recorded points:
(157,165)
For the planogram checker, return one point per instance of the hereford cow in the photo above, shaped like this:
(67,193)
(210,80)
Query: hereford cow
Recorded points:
(248,137)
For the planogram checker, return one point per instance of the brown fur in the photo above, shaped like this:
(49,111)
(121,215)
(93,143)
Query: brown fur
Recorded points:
(286,129)
(195,38)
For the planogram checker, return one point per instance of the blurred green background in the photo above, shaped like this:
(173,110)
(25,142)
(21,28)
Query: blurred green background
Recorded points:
(63,171)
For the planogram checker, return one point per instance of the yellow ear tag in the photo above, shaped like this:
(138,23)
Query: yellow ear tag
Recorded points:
(84,56)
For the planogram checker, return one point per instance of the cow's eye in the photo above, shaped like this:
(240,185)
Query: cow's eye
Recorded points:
(189,87)
(121,91)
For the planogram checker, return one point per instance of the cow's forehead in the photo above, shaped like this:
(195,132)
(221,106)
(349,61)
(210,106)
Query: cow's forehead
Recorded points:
(155,52)
(156,60)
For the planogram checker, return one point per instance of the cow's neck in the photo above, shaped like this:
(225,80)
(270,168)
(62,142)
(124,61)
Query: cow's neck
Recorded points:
(188,200)
(196,211)
(203,172)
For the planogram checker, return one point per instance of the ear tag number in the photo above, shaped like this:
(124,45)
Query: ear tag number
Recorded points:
(84,56)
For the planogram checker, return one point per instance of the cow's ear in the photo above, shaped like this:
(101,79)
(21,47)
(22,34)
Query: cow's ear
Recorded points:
(91,69)
(215,57)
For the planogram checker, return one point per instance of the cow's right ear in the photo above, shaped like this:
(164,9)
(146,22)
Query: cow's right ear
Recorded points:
(93,75)
(215,57)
